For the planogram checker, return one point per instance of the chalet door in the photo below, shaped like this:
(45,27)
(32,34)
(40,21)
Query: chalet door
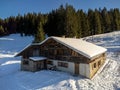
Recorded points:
(76,68)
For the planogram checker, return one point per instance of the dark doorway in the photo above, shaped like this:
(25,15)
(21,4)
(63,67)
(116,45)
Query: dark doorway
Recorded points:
(77,68)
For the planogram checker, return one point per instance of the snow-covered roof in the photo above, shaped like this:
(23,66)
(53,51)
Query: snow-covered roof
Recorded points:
(37,58)
(82,47)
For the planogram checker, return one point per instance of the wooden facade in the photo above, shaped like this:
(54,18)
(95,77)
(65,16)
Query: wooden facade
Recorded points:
(61,57)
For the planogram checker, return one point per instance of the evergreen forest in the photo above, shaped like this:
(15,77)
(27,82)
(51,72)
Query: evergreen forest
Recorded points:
(64,21)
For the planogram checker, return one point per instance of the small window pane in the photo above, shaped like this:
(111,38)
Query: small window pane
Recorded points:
(99,63)
(94,65)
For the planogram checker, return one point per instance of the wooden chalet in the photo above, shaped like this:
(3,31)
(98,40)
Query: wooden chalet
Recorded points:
(66,54)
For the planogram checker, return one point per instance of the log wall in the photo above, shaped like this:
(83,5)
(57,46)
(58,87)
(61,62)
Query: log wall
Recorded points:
(54,50)
(96,64)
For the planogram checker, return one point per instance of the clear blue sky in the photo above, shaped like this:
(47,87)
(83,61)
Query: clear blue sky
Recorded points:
(13,7)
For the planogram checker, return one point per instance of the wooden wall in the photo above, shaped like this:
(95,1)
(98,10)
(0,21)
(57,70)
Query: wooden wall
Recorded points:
(57,51)
(96,64)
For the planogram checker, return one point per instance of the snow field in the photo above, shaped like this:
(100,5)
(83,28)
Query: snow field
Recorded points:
(11,78)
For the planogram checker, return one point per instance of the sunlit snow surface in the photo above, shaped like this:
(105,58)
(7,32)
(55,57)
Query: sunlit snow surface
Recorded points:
(11,78)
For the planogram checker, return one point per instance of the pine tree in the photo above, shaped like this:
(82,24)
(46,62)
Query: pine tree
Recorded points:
(91,21)
(105,21)
(1,31)
(79,32)
(71,25)
(60,20)
(40,35)
(117,19)
(97,23)
(84,24)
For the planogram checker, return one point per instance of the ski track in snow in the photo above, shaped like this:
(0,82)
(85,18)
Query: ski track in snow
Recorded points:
(11,78)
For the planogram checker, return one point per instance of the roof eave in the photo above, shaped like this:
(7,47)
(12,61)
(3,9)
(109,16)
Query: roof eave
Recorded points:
(93,57)
(19,53)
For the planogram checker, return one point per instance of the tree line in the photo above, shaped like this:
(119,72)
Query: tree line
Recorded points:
(64,21)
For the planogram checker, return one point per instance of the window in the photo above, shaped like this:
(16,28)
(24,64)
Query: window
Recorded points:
(94,65)
(62,64)
(66,65)
(99,63)
(25,62)
(50,62)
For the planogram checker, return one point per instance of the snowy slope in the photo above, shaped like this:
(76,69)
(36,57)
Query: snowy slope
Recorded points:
(11,78)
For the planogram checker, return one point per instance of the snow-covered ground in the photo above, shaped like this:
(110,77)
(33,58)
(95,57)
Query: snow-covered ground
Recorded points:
(11,78)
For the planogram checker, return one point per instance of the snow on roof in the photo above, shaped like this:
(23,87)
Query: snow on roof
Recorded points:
(84,48)
(37,58)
